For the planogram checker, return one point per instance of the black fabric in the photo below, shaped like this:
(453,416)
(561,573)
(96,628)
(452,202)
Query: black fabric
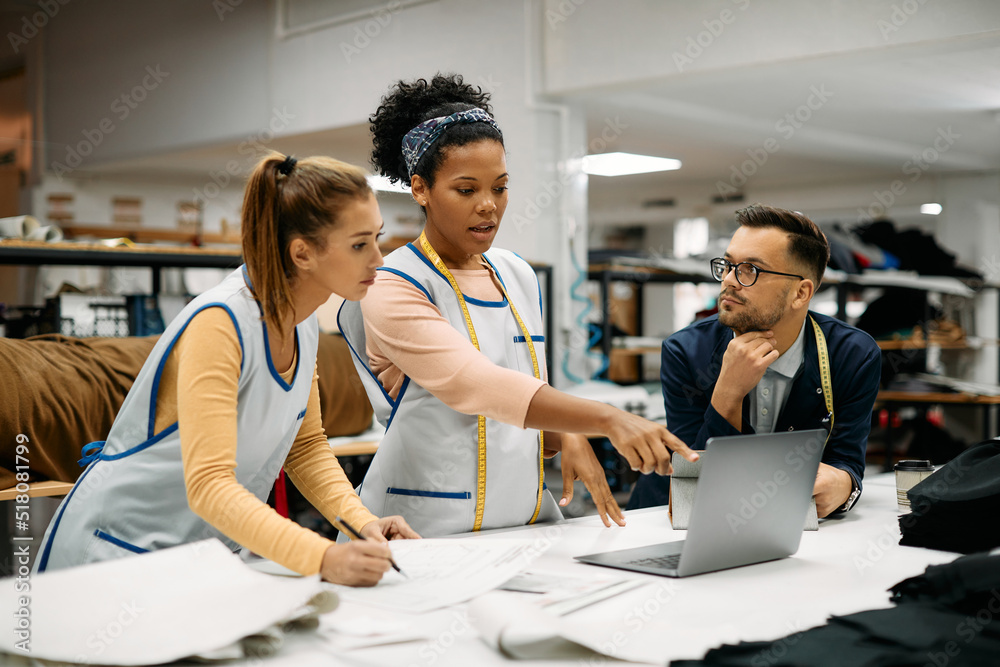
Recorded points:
(967,584)
(898,309)
(957,508)
(916,250)
(947,616)
(930,441)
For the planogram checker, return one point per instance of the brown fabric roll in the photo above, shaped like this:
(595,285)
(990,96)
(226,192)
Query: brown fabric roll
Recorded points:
(64,392)
(342,397)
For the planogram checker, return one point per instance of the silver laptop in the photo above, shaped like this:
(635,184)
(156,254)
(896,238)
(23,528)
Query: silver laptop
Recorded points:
(749,507)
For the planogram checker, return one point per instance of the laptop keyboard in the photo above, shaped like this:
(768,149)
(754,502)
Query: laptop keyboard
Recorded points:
(663,562)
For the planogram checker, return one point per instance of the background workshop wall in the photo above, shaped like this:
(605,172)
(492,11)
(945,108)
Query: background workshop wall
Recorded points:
(821,107)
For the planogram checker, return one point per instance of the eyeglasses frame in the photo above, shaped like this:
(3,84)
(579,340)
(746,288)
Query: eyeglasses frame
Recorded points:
(731,267)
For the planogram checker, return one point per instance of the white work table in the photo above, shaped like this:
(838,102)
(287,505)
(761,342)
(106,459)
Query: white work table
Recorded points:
(843,568)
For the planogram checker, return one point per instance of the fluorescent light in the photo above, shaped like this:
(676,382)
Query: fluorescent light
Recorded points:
(930,209)
(382,184)
(621,164)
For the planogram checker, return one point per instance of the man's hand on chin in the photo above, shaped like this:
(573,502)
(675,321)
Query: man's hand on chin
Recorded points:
(833,488)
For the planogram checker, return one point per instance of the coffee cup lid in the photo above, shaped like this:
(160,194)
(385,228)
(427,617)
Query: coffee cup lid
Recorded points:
(915,464)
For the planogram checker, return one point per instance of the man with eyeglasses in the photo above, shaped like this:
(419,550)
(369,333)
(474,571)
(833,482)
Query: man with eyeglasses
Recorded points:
(756,367)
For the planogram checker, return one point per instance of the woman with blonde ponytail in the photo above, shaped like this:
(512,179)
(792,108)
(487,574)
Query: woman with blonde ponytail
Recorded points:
(229,396)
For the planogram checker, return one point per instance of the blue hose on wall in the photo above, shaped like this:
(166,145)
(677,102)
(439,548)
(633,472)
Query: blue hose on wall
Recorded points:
(583,324)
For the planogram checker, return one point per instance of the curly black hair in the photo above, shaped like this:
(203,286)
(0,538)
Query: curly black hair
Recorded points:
(407,104)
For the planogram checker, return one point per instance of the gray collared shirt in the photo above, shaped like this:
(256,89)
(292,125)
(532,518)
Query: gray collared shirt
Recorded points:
(768,398)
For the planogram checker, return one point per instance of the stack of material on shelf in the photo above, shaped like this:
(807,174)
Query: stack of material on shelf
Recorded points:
(879,245)
(849,253)
(956,508)
(916,250)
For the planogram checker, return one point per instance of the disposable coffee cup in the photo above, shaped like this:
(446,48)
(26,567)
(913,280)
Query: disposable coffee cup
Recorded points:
(908,474)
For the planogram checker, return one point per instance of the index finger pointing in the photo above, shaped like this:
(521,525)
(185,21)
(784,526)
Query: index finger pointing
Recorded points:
(677,445)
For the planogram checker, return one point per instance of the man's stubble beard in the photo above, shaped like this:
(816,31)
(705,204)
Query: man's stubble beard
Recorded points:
(752,318)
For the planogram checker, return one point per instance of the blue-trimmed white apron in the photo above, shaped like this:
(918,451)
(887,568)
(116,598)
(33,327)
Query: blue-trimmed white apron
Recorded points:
(426,467)
(132,497)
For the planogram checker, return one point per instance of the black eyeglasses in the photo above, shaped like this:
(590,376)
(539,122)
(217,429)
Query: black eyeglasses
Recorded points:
(746,273)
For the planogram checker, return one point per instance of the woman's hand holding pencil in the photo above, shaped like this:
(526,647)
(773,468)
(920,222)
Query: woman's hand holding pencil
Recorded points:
(363,561)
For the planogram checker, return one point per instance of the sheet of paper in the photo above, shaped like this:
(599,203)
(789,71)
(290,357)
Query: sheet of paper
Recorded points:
(443,572)
(348,632)
(562,594)
(270,567)
(518,629)
(117,612)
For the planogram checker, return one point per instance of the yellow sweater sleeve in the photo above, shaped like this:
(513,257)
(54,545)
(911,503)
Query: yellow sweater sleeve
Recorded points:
(315,471)
(207,360)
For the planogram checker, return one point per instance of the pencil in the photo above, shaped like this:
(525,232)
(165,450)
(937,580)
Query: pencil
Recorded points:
(358,535)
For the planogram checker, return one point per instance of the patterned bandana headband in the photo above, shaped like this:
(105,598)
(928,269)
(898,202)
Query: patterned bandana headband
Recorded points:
(419,139)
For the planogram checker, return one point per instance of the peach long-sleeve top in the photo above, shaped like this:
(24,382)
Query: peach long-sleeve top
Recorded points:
(407,336)
(198,387)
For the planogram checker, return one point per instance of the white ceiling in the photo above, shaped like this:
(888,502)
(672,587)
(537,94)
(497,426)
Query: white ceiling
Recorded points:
(884,107)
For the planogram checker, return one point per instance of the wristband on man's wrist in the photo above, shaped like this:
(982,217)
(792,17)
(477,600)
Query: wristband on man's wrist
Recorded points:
(853,498)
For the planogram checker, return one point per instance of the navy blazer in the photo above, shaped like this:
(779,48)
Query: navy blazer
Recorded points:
(692,359)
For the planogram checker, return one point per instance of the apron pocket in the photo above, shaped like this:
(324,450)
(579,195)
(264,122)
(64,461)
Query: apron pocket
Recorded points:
(432,513)
(105,546)
(517,351)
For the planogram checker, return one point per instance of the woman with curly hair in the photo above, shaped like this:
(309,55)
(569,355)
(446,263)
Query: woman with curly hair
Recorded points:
(449,340)
(229,396)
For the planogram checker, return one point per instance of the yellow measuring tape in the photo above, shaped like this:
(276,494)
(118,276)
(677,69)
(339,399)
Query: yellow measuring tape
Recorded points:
(481,467)
(824,372)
